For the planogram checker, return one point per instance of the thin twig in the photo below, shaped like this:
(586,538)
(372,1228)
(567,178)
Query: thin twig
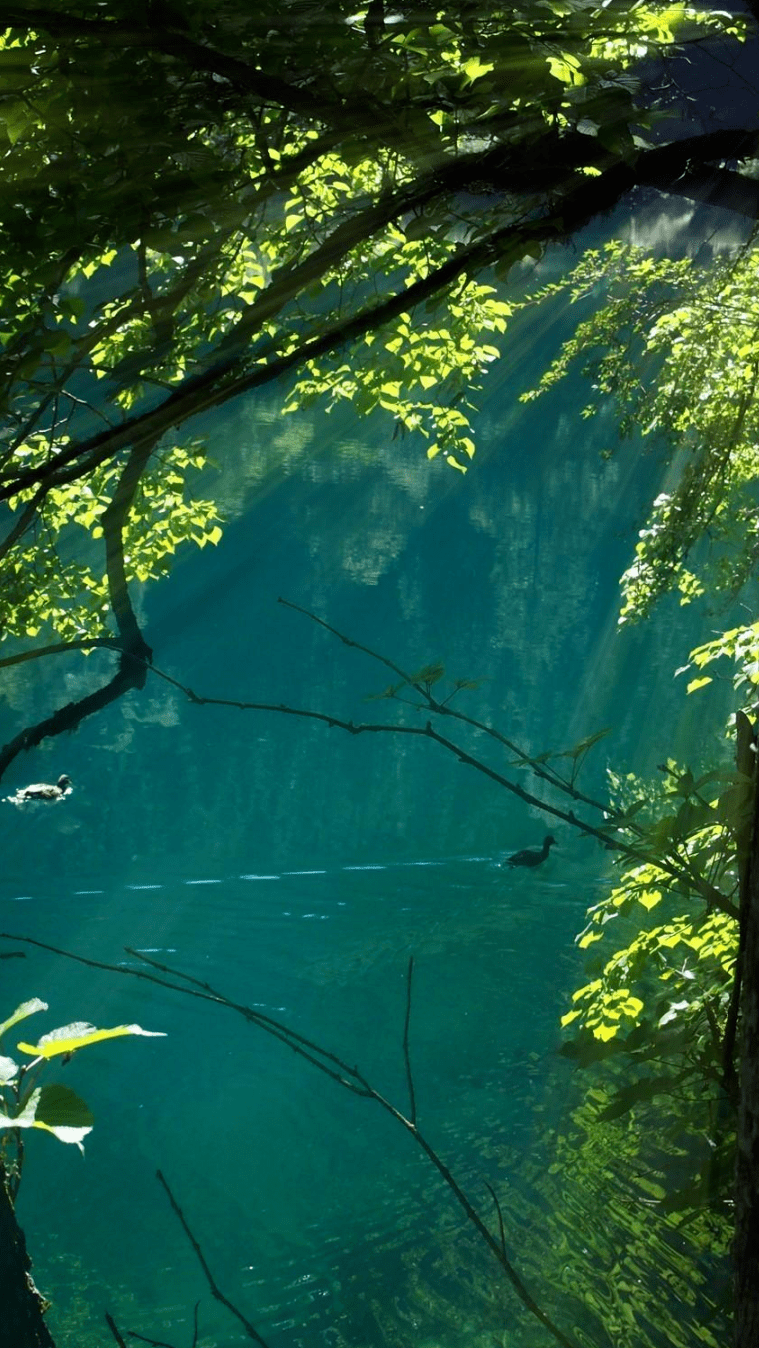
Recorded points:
(500,1216)
(680,873)
(215,1289)
(406,1058)
(69,717)
(355,645)
(154,1343)
(684,876)
(443,709)
(345,1075)
(111,1325)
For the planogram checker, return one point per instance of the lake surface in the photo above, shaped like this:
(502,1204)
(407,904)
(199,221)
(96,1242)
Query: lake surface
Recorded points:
(297,868)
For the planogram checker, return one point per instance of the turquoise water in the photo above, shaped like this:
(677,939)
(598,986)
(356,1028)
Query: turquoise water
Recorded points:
(297,868)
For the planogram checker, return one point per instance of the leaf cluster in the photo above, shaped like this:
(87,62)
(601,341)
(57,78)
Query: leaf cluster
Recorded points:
(675,345)
(53,1107)
(673,954)
(197,203)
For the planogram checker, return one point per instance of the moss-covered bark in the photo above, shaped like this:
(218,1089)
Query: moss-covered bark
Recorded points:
(22,1318)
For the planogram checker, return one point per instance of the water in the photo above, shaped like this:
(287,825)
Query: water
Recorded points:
(296,868)
(278,1164)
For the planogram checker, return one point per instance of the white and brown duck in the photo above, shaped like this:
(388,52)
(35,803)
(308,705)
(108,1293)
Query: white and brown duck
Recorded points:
(43,791)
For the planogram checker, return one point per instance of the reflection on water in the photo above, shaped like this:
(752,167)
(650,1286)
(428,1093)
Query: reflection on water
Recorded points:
(297,869)
(317,1214)
(287,1176)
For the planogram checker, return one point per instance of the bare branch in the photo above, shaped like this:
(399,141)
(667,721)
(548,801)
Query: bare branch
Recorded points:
(213,1285)
(444,709)
(406,1058)
(154,1343)
(70,716)
(500,1216)
(681,873)
(112,1326)
(24,522)
(61,648)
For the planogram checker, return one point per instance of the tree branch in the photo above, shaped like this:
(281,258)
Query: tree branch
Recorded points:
(444,709)
(60,648)
(113,520)
(24,522)
(216,1291)
(109,1320)
(564,215)
(406,1057)
(136,655)
(680,873)
(73,713)
(123,34)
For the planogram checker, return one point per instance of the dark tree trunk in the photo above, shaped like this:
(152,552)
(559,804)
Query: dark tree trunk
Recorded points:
(746,1241)
(22,1321)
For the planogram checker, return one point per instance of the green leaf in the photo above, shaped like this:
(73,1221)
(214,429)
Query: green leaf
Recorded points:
(428,674)
(649,898)
(391,691)
(605,1032)
(583,944)
(587,743)
(673,1012)
(61,1111)
(566,68)
(25,1009)
(698,683)
(474,68)
(8,1071)
(68,1038)
(24,1117)
(56,1109)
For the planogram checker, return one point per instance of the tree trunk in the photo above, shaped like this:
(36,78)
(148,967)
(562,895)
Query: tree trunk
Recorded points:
(22,1322)
(746,1241)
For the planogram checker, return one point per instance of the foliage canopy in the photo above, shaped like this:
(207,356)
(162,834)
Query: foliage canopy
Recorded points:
(201,200)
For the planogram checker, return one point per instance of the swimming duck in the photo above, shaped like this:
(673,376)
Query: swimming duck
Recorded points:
(530,856)
(43,791)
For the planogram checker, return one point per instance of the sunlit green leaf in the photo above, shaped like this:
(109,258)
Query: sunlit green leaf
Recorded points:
(67,1038)
(8,1070)
(25,1009)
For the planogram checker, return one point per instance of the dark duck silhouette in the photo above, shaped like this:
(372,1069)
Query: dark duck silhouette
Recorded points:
(43,791)
(531,856)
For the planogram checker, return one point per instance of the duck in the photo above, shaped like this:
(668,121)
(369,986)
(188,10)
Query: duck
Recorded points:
(531,856)
(49,791)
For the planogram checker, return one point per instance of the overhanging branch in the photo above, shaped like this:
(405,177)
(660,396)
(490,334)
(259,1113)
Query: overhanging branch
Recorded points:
(565,214)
